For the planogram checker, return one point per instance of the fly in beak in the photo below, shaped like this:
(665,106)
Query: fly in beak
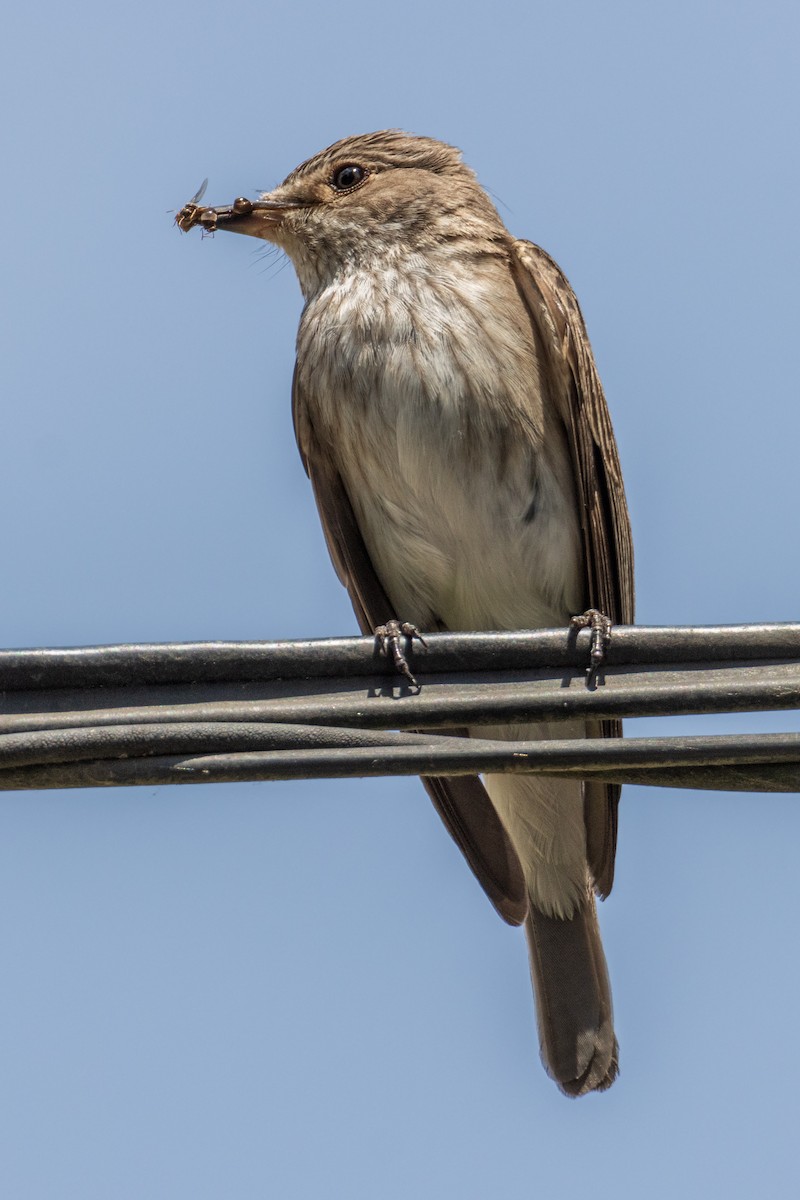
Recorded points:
(243,216)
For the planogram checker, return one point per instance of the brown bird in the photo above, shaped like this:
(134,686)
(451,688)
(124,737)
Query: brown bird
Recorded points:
(451,420)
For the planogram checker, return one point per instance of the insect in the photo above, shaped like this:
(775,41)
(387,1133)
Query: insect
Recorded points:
(189,215)
(193,214)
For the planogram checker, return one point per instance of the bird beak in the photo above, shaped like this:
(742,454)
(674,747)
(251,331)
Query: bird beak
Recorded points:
(254,217)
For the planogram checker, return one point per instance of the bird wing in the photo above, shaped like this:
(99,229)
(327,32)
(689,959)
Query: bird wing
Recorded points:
(461,801)
(575,388)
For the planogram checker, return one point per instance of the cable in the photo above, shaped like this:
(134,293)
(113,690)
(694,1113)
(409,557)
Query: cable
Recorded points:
(120,715)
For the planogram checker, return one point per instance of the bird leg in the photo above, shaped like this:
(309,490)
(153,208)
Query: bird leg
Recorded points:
(389,635)
(600,626)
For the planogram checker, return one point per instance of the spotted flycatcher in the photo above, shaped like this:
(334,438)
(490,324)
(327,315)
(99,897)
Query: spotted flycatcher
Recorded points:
(451,420)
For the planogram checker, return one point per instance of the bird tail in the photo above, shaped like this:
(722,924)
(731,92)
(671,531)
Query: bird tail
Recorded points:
(573,999)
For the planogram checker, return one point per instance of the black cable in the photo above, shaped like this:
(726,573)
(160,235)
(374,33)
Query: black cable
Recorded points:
(188,662)
(170,713)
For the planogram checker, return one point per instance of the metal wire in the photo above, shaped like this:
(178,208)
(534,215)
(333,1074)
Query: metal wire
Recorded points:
(179,713)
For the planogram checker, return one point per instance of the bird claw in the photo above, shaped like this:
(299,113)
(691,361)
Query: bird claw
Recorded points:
(600,626)
(389,636)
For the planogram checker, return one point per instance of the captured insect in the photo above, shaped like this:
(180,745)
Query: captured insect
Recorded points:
(193,214)
(189,215)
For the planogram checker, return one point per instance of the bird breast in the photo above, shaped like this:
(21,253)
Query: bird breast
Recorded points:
(422,381)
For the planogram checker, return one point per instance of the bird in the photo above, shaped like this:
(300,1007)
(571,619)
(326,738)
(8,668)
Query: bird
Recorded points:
(451,420)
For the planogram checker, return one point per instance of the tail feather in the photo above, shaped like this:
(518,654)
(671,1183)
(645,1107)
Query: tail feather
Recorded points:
(573,999)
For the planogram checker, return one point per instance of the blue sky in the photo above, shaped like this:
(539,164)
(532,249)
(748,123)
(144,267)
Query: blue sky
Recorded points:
(297,989)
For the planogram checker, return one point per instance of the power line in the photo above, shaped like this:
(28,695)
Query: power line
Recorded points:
(226,711)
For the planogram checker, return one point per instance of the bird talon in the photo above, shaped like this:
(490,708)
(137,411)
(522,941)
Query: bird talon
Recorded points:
(389,635)
(600,626)
(411,631)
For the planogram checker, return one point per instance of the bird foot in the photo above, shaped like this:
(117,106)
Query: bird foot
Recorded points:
(389,636)
(600,626)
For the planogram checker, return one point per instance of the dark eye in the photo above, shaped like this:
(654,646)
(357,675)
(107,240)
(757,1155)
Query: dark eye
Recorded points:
(347,177)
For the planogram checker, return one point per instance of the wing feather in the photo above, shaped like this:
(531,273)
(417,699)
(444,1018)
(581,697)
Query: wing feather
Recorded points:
(607,542)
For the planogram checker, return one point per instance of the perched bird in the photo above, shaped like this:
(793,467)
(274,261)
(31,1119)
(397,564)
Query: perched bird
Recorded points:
(451,420)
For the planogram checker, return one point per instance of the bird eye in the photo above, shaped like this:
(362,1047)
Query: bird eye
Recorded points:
(348,177)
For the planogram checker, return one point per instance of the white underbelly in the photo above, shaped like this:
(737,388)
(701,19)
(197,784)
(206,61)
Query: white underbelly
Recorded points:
(466,542)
